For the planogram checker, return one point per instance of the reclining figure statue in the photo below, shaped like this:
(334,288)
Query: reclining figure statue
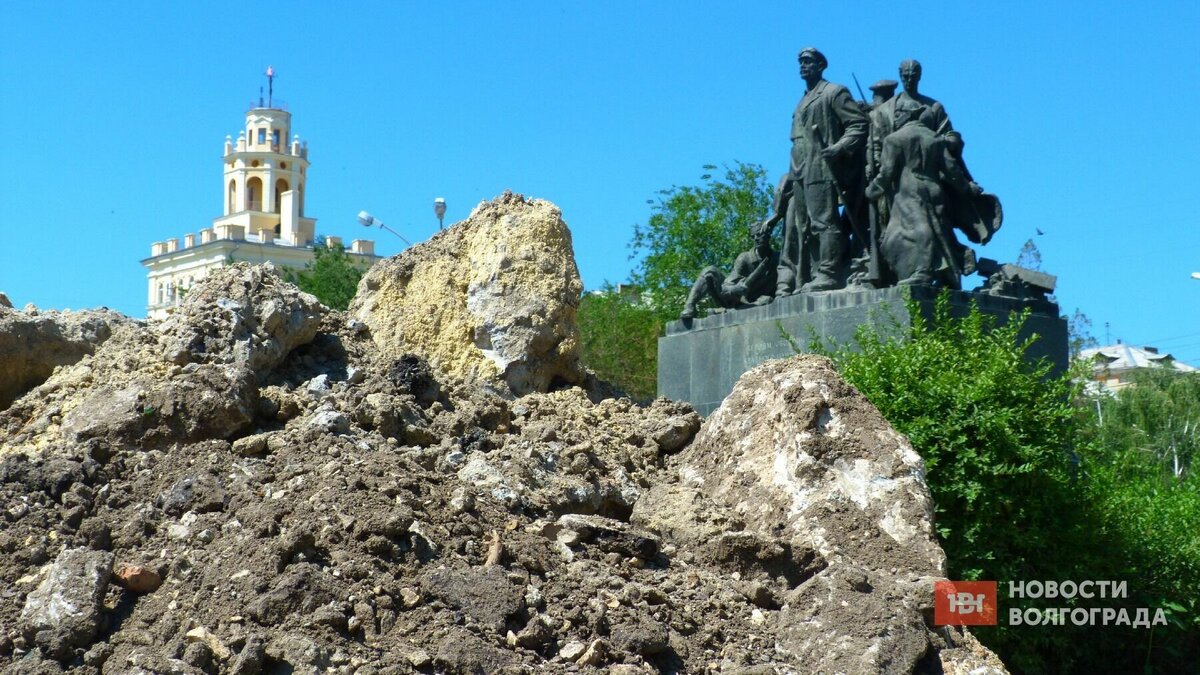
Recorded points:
(751,281)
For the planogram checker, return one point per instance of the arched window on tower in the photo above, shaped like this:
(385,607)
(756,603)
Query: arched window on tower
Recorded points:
(233,206)
(254,194)
(281,187)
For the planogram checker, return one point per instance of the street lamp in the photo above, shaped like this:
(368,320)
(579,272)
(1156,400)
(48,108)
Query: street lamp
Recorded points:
(367,220)
(439,210)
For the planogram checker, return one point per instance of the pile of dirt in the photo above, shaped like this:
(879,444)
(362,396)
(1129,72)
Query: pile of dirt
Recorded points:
(263,485)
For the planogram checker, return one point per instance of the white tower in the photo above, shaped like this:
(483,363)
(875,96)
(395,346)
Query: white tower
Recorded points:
(264,181)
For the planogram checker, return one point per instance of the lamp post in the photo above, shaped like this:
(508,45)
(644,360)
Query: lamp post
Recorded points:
(439,210)
(367,220)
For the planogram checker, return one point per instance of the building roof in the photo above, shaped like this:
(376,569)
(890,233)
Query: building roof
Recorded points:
(1127,357)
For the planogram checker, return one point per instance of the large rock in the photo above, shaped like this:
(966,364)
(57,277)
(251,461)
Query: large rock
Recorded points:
(492,298)
(798,481)
(33,344)
(63,613)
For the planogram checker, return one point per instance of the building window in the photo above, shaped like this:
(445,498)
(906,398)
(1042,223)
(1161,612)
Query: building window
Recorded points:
(262,136)
(275,140)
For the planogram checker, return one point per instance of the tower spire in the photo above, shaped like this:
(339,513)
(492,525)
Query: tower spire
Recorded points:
(270,86)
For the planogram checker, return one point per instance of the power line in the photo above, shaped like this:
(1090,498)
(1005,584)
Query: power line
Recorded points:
(1172,339)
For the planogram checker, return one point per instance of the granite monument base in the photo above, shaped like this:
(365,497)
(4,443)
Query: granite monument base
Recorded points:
(700,360)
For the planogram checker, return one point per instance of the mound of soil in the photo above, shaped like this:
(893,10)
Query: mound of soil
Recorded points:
(262,485)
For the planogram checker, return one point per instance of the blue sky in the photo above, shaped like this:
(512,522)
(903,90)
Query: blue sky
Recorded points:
(1077,114)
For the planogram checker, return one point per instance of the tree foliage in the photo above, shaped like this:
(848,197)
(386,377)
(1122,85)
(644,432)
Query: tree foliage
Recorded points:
(1030,257)
(1143,485)
(689,228)
(619,340)
(1079,333)
(1155,422)
(692,227)
(332,276)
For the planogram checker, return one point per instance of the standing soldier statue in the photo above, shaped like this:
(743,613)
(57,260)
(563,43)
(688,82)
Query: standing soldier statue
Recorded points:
(877,216)
(829,133)
(976,215)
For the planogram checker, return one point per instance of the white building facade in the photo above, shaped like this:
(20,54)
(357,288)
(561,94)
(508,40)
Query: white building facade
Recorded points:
(264,220)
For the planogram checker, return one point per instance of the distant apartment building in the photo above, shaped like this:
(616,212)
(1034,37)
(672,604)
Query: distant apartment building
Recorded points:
(264,219)
(1113,366)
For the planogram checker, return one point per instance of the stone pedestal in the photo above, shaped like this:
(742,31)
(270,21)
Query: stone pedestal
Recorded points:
(700,360)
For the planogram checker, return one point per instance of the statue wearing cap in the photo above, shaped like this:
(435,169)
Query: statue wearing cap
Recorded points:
(829,133)
(882,91)
(880,122)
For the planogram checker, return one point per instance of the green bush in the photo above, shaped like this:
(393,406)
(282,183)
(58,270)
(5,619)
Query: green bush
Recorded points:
(619,341)
(1146,497)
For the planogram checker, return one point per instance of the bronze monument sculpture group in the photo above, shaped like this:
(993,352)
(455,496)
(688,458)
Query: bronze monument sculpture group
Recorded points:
(872,198)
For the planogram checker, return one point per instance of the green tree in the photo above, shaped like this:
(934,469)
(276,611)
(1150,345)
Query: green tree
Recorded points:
(689,228)
(619,340)
(1144,488)
(1030,257)
(332,276)
(692,227)
(1157,418)
(1079,333)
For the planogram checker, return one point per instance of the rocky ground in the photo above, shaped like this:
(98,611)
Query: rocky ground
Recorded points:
(432,483)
